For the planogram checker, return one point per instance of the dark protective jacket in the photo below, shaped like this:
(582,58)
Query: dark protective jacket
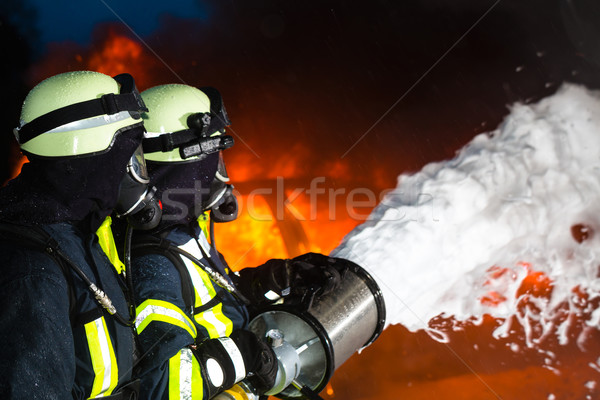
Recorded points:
(167,327)
(56,341)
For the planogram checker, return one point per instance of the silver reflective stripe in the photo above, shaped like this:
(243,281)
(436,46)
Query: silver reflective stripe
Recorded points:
(192,248)
(106,354)
(203,292)
(102,356)
(154,311)
(204,244)
(236,357)
(92,122)
(185,374)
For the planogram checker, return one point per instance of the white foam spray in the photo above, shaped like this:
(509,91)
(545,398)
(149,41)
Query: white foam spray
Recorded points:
(458,230)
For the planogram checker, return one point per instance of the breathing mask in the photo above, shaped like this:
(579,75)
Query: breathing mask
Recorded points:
(221,202)
(137,201)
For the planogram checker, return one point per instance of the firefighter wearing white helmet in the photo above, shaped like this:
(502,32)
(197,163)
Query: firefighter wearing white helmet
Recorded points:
(188,300)
(66,324)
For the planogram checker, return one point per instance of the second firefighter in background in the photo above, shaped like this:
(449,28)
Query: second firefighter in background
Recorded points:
(192,312)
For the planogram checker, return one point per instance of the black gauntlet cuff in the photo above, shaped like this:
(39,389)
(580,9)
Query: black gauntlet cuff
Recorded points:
(221,364)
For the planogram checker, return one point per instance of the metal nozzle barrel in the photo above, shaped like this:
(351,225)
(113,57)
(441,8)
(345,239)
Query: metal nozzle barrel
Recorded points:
(326,334)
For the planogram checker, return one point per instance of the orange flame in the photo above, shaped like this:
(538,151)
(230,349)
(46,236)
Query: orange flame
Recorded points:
(248,241)
(279,218)
(329,390)
(113,55)
(535,283)
(119,54)
(17,160)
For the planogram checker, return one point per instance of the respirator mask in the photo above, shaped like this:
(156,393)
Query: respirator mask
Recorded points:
(221,202)
(137,202)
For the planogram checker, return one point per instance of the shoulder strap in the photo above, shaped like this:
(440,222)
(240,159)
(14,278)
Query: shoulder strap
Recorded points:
(211,303)
(151,245)
(38,239)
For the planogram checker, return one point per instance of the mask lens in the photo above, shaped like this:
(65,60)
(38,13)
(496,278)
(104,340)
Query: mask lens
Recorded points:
(137,166)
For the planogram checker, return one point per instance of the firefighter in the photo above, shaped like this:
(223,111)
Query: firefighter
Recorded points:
(65,325)
(191,318)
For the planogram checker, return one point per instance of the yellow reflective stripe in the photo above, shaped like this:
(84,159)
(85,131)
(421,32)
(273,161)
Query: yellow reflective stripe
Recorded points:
(215,322)
(203,293)
(218,310)
(159,310)
(203,223)
(107,243)
(104,361)
(208,284)
(203,287)
(204,319)
(223,326)
(197,383)
(174,368)
(185,380)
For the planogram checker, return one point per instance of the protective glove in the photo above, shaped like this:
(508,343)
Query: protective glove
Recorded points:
(227,360)
(310,273)
(317,271)
(259,359)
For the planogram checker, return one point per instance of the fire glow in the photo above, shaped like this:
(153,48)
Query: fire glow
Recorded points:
(120,54)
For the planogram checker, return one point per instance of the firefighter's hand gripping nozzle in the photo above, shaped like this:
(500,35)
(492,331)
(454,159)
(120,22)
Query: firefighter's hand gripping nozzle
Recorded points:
(288,360)
(312,337)
(288,370)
